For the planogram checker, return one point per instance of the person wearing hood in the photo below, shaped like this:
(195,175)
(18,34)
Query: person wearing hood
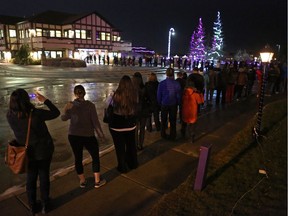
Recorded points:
(83,122)
(191,99)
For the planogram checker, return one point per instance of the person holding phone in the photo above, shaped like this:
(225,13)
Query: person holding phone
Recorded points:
(41,146)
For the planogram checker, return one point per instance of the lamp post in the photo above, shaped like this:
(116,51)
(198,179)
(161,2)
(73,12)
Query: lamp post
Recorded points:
(266,56)
(171,32)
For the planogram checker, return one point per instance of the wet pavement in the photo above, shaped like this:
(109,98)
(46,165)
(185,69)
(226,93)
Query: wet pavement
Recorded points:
(163,165)
(57,84)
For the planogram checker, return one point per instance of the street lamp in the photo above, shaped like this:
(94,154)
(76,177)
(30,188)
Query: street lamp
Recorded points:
(266,55)
(171,32)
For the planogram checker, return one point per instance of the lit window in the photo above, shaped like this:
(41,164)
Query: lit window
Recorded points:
(53,54)
(59,54)
(32,33)
(77,34)
(39,32)
(21,34)
(58,33)
(83,34)
(52,33)
(27,33)
(71,34)
(108,38)
(1,34)
(102,36)
(12,32)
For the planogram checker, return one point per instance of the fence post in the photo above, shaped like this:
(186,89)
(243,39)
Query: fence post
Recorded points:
(202,167)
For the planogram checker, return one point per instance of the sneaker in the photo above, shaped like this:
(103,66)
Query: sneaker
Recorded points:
(45,209)
(100,183)
(83,184)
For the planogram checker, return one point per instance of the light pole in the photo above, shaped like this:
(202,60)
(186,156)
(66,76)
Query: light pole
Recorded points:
(266,56)
(171,32)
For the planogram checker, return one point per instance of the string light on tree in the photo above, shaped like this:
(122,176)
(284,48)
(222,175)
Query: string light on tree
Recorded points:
(197,49)
(217,43)
(171,32)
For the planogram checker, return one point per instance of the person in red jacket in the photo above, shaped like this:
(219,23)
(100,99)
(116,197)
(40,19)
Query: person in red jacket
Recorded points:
(191,99)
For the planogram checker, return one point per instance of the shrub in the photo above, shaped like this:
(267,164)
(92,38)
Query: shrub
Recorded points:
(23,55)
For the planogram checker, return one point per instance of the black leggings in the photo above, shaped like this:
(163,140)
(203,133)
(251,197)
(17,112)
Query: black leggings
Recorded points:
(91,144)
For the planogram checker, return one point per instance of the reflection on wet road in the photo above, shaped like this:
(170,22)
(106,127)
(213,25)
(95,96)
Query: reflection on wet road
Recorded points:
(57,85)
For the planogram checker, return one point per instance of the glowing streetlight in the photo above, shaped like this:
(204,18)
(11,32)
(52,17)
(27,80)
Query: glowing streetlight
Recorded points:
(266,56)
(171,32)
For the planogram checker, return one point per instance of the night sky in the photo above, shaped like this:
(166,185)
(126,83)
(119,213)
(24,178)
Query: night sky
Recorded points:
(247,24)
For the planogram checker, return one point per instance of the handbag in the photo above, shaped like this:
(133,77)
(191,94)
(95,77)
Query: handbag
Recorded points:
(108,114)
(16,157)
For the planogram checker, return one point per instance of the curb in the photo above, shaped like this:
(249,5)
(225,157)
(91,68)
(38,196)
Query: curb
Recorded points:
(20,189)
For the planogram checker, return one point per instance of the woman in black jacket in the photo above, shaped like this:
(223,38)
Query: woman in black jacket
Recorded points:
(154,108)
(123,124)
(142,109)
(40,145)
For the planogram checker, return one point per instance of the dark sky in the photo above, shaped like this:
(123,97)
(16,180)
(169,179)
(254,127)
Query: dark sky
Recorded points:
(247,24)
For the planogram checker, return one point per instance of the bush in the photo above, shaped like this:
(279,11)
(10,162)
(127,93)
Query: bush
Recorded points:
(23,55)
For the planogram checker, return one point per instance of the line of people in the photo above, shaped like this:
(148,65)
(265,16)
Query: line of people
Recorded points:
(135,104)
(235,81)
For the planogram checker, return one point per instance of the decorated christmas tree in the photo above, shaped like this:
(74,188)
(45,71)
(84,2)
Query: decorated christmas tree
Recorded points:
(217,42)
(197,48)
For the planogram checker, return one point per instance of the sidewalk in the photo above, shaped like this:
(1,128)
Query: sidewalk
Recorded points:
(163,165)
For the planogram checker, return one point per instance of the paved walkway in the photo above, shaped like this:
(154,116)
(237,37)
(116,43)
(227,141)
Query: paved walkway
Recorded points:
(163,166)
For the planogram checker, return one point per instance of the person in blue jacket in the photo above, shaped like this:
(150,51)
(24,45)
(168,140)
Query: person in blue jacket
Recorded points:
(169,97)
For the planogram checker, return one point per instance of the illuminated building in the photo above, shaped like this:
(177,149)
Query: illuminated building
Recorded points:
(57,34)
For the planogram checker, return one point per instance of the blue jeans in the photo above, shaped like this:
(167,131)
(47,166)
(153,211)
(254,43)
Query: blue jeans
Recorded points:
(37,168)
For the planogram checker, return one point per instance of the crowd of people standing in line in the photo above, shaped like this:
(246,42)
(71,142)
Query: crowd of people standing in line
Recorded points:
(135,103)
(147,61)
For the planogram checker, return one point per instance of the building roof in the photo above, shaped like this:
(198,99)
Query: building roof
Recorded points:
(61,18)
(10,20)
(74,18)
(50,17)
